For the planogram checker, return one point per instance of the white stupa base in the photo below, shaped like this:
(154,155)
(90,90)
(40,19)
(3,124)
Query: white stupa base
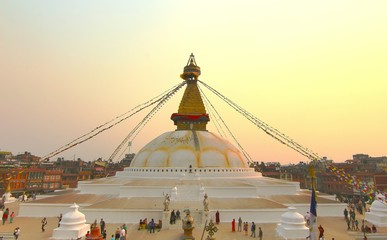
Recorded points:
(292,225)
(379,220)
(165,219)
(68,234)
(292,233)
(378,212)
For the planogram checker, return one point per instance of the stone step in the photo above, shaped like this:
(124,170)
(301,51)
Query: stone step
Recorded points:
(375,236)
(6,236)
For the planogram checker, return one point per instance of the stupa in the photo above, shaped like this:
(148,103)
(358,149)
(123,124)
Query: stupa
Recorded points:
(293,225)
(7,196)
(72,226)
(187,164)
(378,212)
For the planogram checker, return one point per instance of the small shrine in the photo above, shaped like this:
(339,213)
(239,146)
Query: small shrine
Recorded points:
(187,225)
(7,196)
(72,226)
(292,225)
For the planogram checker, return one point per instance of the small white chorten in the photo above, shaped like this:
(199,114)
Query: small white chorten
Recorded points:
(72,226)
(292,225)
(378,212)
(7,196)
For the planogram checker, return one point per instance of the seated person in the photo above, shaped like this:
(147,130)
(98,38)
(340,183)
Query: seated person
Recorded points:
(373,229)
(142,224)
(159,225)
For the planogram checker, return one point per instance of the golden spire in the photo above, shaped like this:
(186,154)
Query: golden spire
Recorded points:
(8,188)
(192,113)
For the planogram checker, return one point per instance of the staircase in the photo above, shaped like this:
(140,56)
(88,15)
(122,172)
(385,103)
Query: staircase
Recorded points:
(6,236)
(376,236)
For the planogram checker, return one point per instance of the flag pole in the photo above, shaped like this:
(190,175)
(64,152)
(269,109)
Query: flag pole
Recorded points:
(313,207)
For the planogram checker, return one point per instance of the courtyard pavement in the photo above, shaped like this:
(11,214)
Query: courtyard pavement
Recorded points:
(335,227)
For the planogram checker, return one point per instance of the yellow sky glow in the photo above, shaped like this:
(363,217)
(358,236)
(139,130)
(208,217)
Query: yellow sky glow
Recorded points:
(314,70)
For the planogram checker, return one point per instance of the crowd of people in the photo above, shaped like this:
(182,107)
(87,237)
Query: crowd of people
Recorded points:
(351,220)
(243,226)
(151,226)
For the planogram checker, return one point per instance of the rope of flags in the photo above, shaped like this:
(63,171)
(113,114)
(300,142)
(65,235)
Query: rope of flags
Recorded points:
(107,125)
(355,182)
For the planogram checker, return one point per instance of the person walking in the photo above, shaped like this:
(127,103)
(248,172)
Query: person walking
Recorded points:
(246,228)
(152,226)
(44,223)
(260,233)
(16,232)
(11,217)
(321,232)
(217,217)
(357,225)
(122,234)
(125,228)
(252,230)
(172,219)
(345,213)
(239,224)
(233,225)
(102,225)
(5,215)
(117,234)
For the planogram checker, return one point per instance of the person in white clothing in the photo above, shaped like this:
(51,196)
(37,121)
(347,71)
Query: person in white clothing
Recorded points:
(16,233)
(307,218)
(122,234)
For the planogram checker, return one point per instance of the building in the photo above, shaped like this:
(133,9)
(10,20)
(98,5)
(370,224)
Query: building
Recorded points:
(34,180)
(52,180)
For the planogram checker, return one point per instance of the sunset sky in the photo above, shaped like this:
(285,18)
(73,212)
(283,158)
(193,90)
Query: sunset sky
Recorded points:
(315,70)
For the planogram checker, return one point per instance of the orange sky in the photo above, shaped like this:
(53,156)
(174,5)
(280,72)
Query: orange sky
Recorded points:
(314,70)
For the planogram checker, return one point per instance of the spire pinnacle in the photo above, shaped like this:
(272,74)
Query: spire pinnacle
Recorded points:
(192,113)
(191,70)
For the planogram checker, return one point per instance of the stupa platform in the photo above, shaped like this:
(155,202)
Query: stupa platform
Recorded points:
(30,226)
(123,209)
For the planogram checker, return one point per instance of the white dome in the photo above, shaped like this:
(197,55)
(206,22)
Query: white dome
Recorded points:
(292,225)
(292,217)
(73,218)
(183,148)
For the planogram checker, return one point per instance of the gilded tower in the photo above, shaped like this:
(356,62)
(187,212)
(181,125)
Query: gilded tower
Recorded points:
(192,113)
